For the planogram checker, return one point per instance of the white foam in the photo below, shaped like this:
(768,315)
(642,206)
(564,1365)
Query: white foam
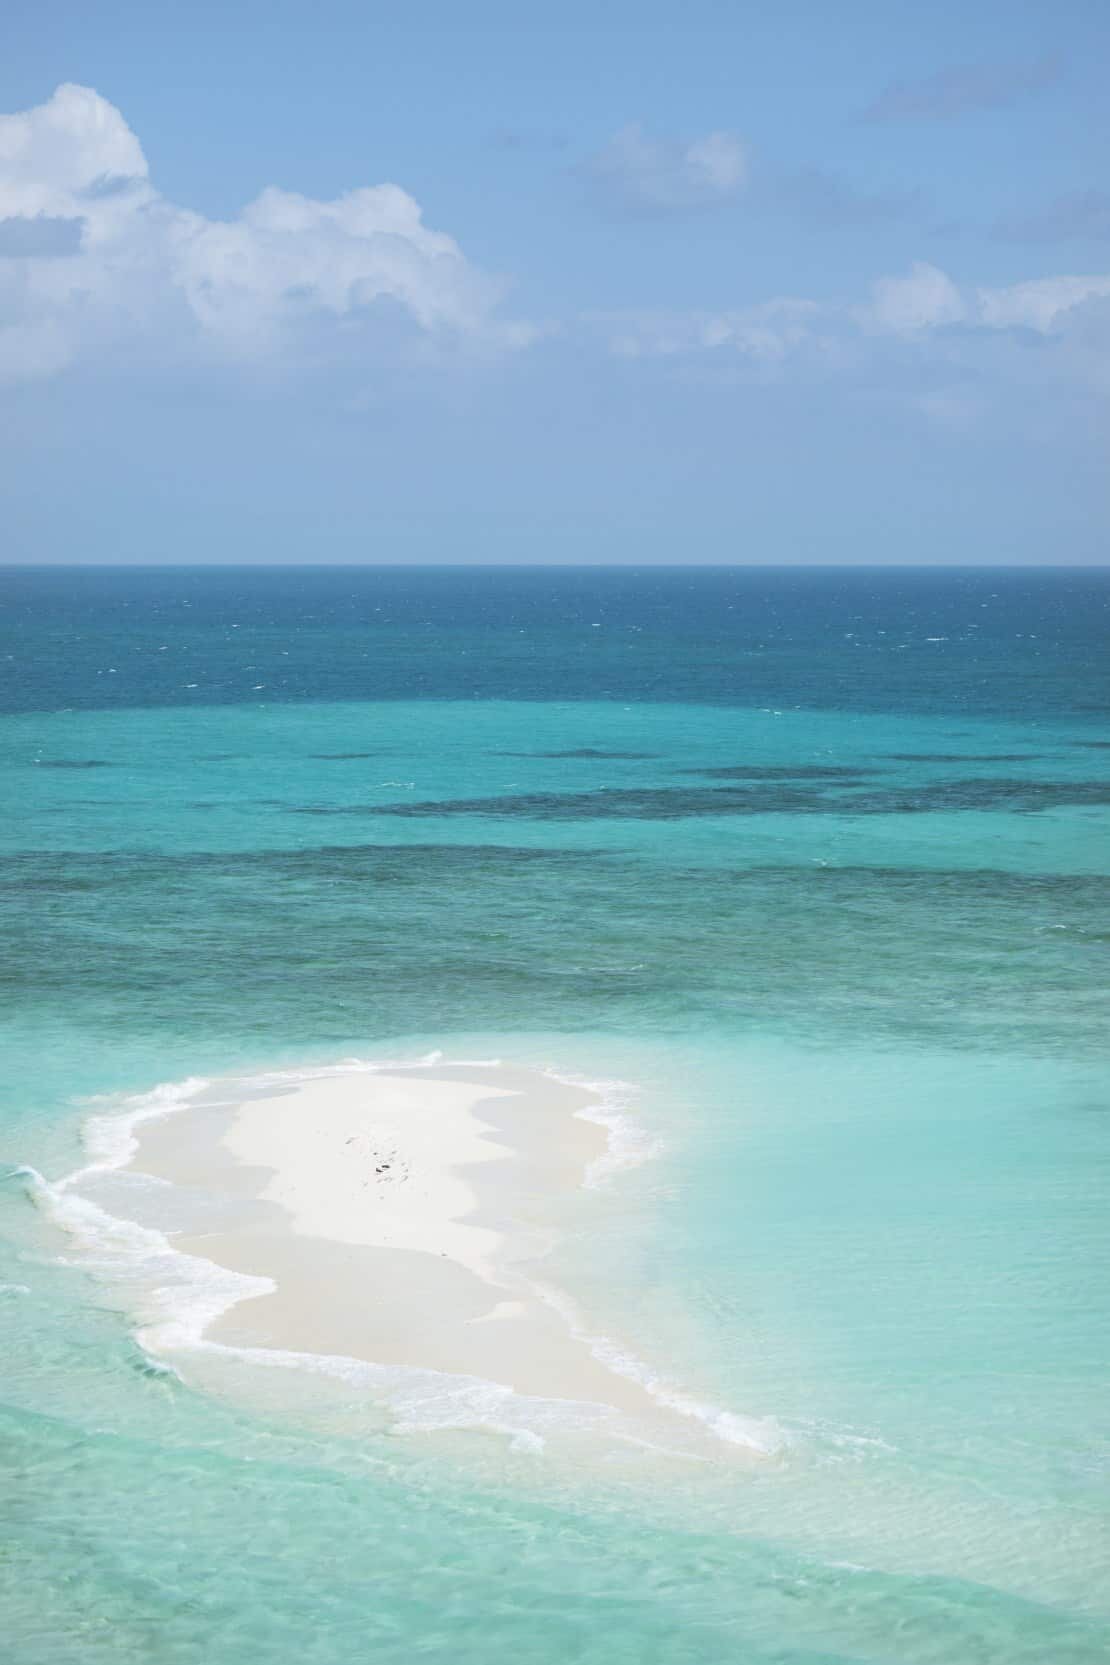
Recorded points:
(110,1139)
(821,1434)
(267,1079)
(628,1145)
(176,1297)
(762,1434)
(431,1401)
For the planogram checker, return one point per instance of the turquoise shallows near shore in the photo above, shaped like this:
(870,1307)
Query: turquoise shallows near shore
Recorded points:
(806,873)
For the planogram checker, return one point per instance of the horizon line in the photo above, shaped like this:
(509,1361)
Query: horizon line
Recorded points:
(553,566)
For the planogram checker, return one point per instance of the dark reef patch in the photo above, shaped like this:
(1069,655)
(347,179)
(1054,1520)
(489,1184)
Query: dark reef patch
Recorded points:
(682,803)
(590,752)
(1007,793)
(401,864)
(764,771)
(963,757)
(568,938)
(618,803)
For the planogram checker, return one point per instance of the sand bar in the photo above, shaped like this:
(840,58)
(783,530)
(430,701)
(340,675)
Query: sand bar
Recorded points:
(402,1215)
(387,1225)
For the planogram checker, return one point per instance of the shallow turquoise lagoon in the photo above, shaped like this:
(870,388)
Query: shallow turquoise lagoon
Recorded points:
(833,909)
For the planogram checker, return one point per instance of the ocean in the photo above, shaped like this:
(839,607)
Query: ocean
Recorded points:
(808,868)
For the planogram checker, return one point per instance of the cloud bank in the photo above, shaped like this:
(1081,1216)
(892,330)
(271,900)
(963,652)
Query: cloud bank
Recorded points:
(96,266)
(918,335)
(95,262)
(910,305)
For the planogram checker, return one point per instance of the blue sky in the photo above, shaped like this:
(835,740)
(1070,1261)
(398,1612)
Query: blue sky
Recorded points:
(724,282)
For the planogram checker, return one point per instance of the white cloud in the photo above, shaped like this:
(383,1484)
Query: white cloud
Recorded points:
(922,299)
(908,306)
(1039,305)
(763,334)
(668,175)
(144,271)
(919,335)
(719,162)
(52,153)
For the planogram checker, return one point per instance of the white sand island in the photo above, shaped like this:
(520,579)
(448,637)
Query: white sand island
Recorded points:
(399,1216)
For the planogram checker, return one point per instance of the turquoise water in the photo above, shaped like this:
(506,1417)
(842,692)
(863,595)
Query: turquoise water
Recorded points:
(816,863)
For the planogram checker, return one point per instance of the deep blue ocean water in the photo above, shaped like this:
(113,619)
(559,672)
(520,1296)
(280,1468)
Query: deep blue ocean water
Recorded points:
(816,861)
(983,642)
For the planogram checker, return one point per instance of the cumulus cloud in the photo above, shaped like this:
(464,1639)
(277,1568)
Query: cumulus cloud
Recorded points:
(919,329)
(38,235)
(638,173)
(286,272)
(920,300)
(661,176)
(1042,304)
(962,88)
(53,153)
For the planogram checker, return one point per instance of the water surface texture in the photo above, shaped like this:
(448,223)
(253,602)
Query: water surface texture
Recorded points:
(813,864)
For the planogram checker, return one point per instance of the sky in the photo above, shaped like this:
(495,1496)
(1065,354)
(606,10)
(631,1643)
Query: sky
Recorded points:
(785,282)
